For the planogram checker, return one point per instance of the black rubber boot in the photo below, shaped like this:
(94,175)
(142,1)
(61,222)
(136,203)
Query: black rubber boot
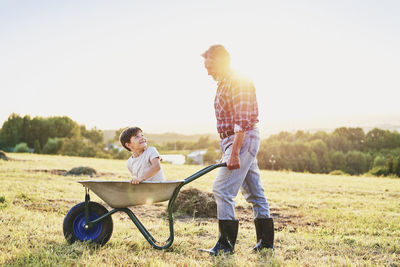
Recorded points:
(265,233)
(228,230)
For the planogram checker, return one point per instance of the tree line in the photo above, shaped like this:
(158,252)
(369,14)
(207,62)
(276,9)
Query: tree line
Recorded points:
(345,150)
(53,135)
(61,135)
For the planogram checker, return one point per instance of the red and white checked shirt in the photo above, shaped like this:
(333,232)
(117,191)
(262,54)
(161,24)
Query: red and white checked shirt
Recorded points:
(235,104)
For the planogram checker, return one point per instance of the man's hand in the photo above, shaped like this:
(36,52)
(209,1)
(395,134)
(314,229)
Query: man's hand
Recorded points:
(135,180)
(233,162)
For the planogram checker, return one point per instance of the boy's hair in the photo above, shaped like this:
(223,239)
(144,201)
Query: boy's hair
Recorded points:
(126,135)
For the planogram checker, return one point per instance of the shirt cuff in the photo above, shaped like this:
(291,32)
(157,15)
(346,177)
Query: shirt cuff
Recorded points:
(237,128)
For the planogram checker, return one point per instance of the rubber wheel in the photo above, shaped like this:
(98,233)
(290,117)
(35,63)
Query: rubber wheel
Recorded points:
(74,224)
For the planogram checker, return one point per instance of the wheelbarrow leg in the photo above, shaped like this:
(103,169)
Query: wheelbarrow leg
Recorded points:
(152,241)
(87,199)
(138,224)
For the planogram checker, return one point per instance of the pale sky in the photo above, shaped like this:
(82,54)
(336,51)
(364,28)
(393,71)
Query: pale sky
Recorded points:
(113,64)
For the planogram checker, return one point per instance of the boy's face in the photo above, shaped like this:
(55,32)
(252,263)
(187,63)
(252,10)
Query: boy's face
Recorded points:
(137,142)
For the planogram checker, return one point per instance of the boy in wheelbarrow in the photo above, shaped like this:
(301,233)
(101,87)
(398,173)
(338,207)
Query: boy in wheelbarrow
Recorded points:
(236,111)
(144,164)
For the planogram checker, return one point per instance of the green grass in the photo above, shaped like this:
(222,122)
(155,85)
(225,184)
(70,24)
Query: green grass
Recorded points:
(320,220)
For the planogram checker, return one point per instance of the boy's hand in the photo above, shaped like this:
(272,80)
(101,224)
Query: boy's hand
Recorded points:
(135,180)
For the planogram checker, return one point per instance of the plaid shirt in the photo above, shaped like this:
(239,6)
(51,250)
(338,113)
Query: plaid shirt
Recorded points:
(235,105)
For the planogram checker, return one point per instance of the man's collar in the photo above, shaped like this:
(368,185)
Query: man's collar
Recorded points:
(223,77)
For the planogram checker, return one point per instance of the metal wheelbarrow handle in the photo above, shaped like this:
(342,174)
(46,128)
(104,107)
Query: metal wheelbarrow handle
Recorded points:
(200,173)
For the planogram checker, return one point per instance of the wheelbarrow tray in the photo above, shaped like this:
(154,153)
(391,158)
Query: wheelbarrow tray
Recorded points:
(122,194)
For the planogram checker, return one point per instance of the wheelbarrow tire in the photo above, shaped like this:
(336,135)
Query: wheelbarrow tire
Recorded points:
(74,222)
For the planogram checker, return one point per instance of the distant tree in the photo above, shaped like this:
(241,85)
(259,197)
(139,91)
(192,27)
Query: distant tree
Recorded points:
(302,136)
(314,164)
(215,144)
(11,131)
(211,156)
(203,142)
(320,135)
(265,152)
(39,130)
(36,147)
(392,140)
(379,171)
(95,135)
(115,153)
(397,167)
(27,130)
(356,162)
(379,160)
(52,146)
(89,150)
(180,145)
(352,137)
(26,135)
(72,146)
(338,160)
(177,145)
(285,136)
(319,147)
(118,133)
(21,148)
(339,143)
(62,127)
(356,137)
(389,165)
(375,139)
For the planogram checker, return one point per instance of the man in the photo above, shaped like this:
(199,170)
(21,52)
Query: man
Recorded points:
(236,110)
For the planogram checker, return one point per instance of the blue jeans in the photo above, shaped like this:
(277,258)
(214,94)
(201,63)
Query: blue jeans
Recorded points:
(228,182)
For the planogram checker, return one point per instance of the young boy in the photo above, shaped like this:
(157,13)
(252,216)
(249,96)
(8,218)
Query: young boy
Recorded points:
(144,164)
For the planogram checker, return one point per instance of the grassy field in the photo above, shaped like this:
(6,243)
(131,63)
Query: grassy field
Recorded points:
(320,220)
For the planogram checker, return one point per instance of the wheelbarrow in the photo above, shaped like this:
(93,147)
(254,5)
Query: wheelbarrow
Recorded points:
(91,222)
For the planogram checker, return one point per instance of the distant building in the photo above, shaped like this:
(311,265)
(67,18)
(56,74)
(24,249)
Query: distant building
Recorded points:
(114,146)
(177,159)
(197,156)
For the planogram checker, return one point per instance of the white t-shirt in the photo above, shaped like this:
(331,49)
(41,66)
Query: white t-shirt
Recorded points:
(137,166)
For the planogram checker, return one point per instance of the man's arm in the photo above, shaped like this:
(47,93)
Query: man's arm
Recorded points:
(234,161)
